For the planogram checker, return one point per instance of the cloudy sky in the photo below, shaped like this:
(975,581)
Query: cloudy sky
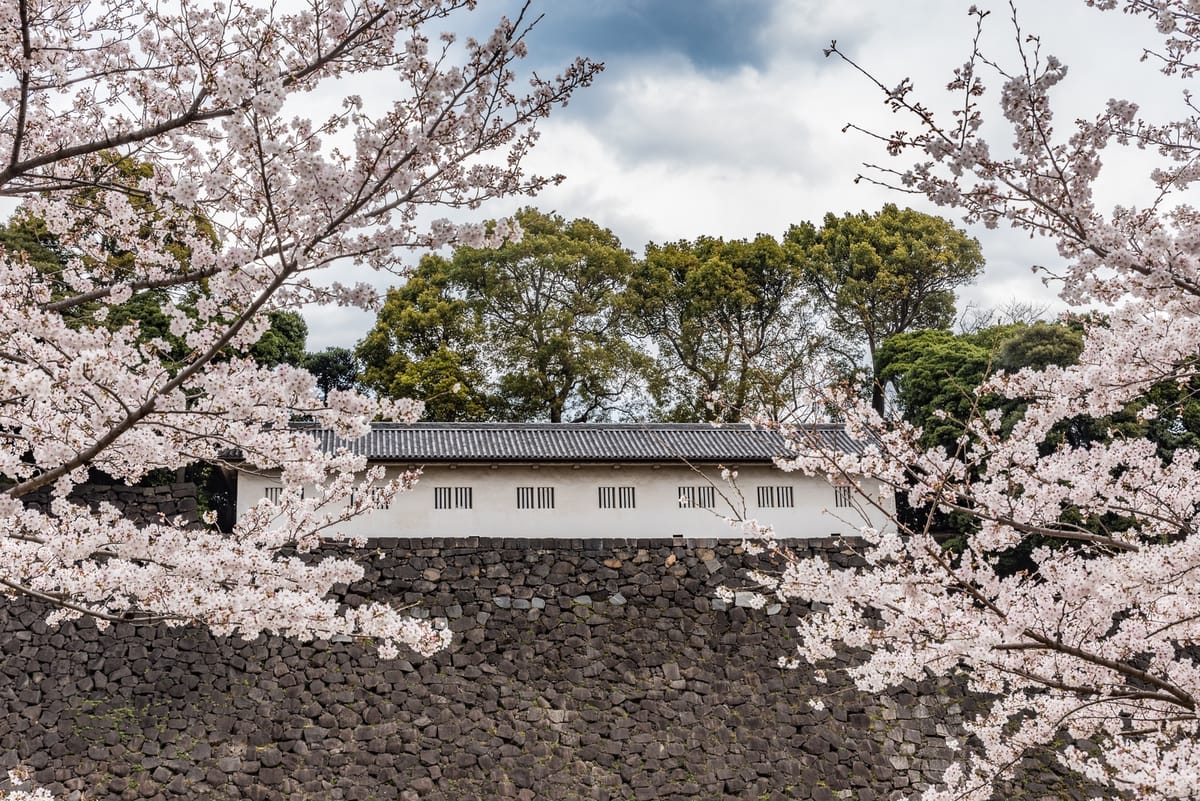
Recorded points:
(723,118)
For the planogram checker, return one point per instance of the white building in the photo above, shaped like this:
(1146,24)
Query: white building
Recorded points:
(612,480)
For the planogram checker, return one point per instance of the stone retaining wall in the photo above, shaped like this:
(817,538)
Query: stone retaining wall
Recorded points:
(145,504)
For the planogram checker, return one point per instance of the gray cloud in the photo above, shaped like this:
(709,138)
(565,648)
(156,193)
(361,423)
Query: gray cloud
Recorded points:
(712,35)
(720,117)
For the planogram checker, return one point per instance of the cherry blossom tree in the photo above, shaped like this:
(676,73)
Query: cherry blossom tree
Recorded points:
(1096,640)
(238,203)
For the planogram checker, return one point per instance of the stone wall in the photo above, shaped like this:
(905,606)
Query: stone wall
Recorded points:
(144,504)
(579,670)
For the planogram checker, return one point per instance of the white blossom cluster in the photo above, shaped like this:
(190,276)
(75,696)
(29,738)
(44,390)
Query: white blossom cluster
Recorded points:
(17,779)
(1094,638)
(155,141)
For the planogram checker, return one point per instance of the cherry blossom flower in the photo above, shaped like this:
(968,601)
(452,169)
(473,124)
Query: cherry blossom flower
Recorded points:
(1093,639)
(168,132)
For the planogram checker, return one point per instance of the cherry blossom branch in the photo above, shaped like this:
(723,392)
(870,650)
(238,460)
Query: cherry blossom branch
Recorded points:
(23,103)
(131,418)
(1178,695)
(63,602)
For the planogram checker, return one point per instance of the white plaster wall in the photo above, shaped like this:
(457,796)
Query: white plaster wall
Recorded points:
(577,513)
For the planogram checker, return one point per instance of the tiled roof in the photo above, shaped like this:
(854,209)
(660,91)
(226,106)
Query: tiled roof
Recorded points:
(422,443)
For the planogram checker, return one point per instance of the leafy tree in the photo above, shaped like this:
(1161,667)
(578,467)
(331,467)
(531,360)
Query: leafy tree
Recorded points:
(934,374)
(546,312)
(283,342)
(732,326)
(1038,346)
(550,309)
(333,368)
(28,236)
(427,343)
(196,184)
(936,377)
(879,275)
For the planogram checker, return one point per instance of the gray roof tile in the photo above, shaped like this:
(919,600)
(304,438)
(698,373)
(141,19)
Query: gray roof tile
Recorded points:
(422,443)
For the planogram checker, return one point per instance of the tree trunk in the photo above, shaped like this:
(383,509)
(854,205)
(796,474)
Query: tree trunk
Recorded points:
(876,387)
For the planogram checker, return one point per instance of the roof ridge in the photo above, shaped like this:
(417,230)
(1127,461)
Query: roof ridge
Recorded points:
(567,442)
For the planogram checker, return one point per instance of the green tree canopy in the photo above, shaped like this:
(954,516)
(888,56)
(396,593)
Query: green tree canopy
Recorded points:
(730,321)
(555,327)
(934,374)
(1038,346)
(29,235)
(882,274)
(532,330)
(282,343)
(427,343)
(334,368)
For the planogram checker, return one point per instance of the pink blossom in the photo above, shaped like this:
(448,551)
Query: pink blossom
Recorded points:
(1094,638)
(243,205)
